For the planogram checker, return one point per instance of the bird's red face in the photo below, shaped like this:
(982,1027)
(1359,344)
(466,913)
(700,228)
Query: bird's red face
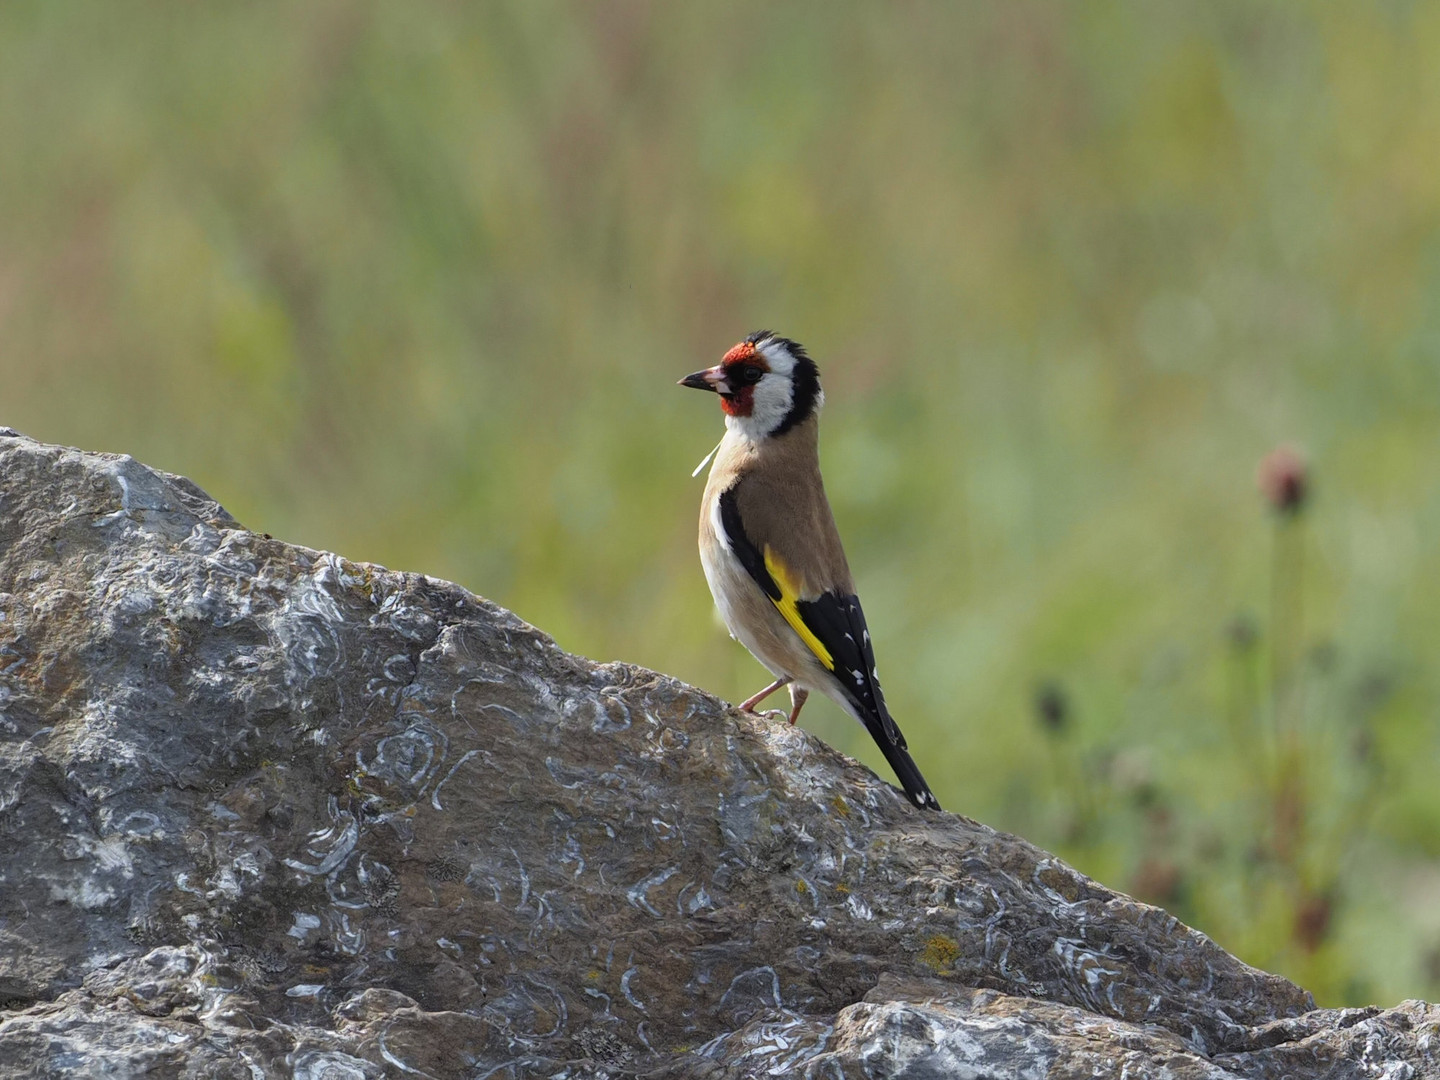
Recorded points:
(734,378)
(766,384)
(744,367)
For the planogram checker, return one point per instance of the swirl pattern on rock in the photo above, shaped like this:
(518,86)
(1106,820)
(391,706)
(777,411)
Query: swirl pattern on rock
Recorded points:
(268,812)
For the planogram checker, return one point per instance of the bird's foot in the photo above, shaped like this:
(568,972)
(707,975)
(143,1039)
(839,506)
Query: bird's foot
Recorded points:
(748,705)
(775,715)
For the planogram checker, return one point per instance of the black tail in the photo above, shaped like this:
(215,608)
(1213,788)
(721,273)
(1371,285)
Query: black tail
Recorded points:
(836,622)
(916,790)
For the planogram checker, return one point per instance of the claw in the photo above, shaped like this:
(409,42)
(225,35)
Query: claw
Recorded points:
(748,705)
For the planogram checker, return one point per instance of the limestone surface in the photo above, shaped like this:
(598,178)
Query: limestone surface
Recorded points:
(268,812)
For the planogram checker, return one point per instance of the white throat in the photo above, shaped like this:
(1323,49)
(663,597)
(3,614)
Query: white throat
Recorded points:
(771,406)
(750,428)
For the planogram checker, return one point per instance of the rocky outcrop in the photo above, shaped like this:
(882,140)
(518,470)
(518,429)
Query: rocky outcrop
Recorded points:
(268,812)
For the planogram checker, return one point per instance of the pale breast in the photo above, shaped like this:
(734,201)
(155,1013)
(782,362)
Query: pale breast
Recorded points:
(748,613)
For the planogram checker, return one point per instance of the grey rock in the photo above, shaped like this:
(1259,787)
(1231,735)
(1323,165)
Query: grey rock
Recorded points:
(268,812)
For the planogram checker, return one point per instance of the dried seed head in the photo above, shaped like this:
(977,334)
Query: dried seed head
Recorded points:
(1052,709)
(1241,633)
(1284,479)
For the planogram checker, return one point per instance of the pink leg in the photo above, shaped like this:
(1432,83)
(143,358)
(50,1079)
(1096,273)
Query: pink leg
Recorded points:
(748,705)
(797,699)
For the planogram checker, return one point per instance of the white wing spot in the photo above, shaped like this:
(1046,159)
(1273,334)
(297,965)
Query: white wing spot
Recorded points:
(718,524)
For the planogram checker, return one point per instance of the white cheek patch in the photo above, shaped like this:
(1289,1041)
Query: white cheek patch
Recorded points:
(778,358)
(770,404)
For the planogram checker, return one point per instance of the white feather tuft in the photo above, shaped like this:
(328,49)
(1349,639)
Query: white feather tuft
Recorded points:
(706,460)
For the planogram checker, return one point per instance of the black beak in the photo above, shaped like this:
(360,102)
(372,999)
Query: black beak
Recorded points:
(698,381)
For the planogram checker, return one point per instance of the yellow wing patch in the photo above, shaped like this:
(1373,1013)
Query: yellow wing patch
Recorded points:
(789,594)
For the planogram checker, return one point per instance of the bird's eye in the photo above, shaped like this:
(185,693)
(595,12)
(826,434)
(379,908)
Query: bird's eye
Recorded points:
(750,374)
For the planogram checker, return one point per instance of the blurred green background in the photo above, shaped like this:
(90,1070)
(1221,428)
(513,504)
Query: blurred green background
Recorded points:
(415,282)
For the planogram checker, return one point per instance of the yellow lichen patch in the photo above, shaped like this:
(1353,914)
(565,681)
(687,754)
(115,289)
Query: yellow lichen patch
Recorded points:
(940,954)
(361,575)
(802,888)
(842,889)
(1060,878)
(841,806)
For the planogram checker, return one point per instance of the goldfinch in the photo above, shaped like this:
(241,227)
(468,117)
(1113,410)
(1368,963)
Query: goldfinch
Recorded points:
(770,550)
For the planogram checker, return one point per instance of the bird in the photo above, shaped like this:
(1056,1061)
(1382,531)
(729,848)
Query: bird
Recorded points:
(770,549)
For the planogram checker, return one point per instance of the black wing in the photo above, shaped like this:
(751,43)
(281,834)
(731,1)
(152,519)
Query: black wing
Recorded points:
(839,623)
(833,627)
(750,556)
